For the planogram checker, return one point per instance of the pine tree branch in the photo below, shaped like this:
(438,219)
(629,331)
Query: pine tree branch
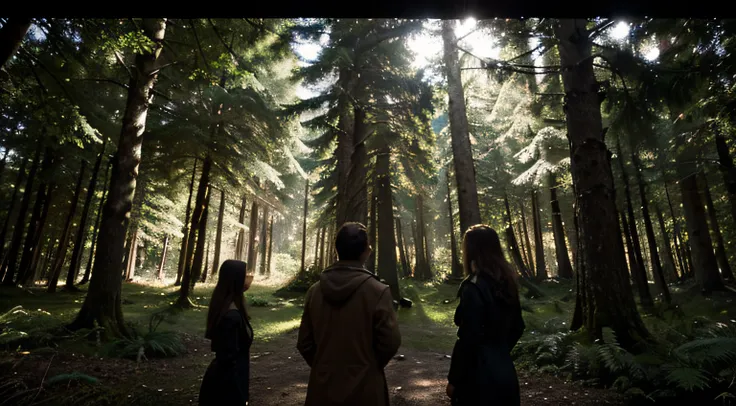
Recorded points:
(199,45)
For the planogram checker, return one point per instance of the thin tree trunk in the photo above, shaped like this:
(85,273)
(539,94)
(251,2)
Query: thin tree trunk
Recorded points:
(526,236)
(206,265)
(218,238)
(541,270)
(132,256)
(303,268)
(183,254)
(608,299)
(669,260)
(198,267)
(65,234)
(704,258)
(512,244)
(641,284)
(406,271)
(103,301)
(47,258)
(31,273)
(638,270)
(657,271)
(11,207)
(682,252)
(564,267)
(270,246)
(93,243)
(316,249)
(421,267)
(240,241)
(322,260)
(11,262)
(264,240)
(456,269)
(11,36)
(357,188)
(721,255)
(387,267)
(522,247)
(373,230)
(162,264)
(467,191)
(728,169)
(415,246)
(81,235)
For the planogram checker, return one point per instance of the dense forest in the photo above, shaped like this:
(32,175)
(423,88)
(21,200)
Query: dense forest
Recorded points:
(140,154)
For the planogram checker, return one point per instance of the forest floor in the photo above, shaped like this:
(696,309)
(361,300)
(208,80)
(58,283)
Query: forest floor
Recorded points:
(417,376)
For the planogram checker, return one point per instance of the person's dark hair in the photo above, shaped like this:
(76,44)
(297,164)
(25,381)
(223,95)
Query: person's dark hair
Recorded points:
(229,289)
(482,248)
(351,241)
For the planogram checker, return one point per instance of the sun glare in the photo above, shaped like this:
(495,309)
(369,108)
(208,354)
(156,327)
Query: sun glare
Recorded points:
(620,30)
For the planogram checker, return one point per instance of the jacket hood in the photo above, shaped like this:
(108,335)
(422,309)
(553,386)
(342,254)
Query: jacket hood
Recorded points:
(340,281)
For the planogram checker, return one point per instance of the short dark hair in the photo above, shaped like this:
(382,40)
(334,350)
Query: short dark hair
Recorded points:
(351,241)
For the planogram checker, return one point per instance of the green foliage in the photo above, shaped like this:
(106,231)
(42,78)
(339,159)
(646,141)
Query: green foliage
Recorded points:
(256,301)
(74,376)
(154,344)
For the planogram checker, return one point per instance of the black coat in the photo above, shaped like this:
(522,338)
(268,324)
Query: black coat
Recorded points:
(481,369)
(227,378)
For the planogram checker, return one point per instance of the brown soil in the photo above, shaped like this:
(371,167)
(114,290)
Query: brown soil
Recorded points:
(278,377)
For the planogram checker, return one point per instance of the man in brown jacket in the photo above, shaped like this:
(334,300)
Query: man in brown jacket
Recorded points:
(349,330)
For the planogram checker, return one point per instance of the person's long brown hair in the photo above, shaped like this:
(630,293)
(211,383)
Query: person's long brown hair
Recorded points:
(229,289)
(482,247)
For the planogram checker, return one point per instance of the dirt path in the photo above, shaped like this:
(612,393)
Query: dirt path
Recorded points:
(278,377)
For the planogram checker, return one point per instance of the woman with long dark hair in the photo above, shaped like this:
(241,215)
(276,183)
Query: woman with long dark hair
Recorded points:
(489,325)
(228,328)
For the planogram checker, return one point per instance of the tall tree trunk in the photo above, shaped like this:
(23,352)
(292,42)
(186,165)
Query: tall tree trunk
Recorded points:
(638,270)
(456,269)
(30,273)
(11,35)
(728,169)
(657,271)
(511,242)
(270,245)
(47,258)
(95,230)
(522,247)
(162,264)
(682,251)
(103,301)
(316,248)
(322,261)
(609,300)
(421,267)
(81,235)
(264,240)
(132,256)
(373,230)
(252,232)
(703,256)
(183,254)
(387,267)
(358,175)
(527,241)
(240,241)
(642,286)
(65,234)
(304,228)
(218,237)
(11,207)
(11,261)
(721,255)
(467,191)
(541,270)
(198,267)
(669,261)
(415,246)
(406,271)
(206,265)
(345,144)
(564,267)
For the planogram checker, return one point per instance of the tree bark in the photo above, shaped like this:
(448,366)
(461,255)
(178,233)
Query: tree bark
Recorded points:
(669,261)
(564,267)
(132,256)
(682,252)
(316,248)
(11,261)
(252,231)
(406,271)
(512,244)
(456,270)
(218,237)
(103,302)
(240,241)
(541,270)
(387,267)
(183,254)
(93,244)
(206,264)
(198,267)
(303,268)
(264,240)
(373,230)
(528,242)
(638,270)
(467,191)
(657,271)
(421,266)
(31,273)
(721,255)
(65,234)
(728,169)
(270,246)
(81,236)
(11,36)
(13,201)
(322,261)
(357,176)
(608,299)
(162,264)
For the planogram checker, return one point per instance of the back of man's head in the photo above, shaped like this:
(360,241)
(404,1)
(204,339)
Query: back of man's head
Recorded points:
(351,241)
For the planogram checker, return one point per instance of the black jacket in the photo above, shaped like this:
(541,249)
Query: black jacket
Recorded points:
(481,369)
(227,378)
